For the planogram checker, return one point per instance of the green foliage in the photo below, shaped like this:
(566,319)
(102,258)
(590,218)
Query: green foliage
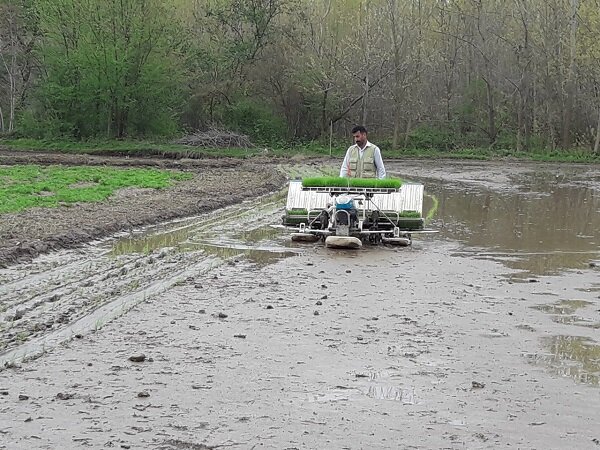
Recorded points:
(109,70)
(256,120)
(471,111)
(30,186)
(427,137)
(410,214)
(392,183)
(127,148)
(434,207)
(297,212)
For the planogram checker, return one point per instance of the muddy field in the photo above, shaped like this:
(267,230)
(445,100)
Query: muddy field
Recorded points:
(214,331)
(218,183)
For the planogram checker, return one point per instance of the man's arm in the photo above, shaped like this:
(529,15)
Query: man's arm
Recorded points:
(378,163)
(345,164)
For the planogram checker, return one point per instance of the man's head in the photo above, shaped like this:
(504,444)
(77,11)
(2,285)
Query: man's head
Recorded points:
(359,133)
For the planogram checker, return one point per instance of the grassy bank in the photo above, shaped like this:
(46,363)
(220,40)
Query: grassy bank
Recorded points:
(125,148)
(313,149)
(28,186)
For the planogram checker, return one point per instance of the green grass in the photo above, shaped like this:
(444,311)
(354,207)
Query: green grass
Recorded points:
(434,207)
(297,212)
(392,183)
(28,186)
(410,214)
(127,148)
(310,149)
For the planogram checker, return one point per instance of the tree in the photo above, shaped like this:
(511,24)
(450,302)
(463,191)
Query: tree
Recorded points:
(18,33)
(588,61)
(110,66)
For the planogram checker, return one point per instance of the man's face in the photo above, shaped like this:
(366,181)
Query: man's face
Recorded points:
(360,139)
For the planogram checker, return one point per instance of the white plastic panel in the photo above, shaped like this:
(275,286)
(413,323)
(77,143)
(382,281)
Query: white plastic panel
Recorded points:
(410,198)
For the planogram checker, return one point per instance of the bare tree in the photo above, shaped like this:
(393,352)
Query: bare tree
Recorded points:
(16,61)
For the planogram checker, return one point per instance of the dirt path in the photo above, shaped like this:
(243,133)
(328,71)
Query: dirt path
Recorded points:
(414,348)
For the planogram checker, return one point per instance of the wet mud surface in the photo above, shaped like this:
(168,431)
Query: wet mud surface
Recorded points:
(215,331)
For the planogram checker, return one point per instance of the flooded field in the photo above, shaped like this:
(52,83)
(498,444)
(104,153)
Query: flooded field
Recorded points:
(534,224)
(218,331)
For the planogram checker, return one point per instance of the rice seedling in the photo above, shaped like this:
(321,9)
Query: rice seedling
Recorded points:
(386,183)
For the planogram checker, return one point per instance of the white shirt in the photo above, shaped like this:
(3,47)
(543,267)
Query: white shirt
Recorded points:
(376,159)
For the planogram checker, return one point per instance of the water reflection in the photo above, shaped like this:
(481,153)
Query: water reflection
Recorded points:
(563,307)
(147,243)
(241,230)
(388,392)
(539,227)
(571,356)
(259,256)
(563,312)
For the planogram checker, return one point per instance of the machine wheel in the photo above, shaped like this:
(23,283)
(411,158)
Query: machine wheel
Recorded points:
(343,242)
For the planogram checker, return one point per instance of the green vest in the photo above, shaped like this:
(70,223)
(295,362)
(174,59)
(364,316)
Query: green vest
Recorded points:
(365,167)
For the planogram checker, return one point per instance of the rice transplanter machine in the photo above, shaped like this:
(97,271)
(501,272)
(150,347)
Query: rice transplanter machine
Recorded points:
(346,213)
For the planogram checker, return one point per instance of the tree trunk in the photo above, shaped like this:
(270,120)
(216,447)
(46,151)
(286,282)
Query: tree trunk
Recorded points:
(491,112)
(396,136)
(365,101)
(13,86)
(570,82)
(520,123)
(597,141)
(324,112)
(396,89)
(366,62)
(407,132)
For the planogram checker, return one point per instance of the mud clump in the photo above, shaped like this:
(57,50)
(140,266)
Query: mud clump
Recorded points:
(137,358)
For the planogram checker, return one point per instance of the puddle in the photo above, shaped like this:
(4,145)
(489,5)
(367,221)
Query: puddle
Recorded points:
(577,321)
(259,234)
(388,392)
(383,385)
(563,307)
(259,255)
(574,357)
(241,230)
(376,391)
(563,312)
(538,225)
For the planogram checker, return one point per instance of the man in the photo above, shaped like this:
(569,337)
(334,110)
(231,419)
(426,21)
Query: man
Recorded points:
(363,159)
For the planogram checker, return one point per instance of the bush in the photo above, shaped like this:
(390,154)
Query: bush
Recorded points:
(39,126)
(256,120)
(427,137)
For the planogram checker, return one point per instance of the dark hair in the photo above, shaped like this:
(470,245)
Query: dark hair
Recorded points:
(359,129)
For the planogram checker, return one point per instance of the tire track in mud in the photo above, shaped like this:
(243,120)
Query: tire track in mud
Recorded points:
(65,295)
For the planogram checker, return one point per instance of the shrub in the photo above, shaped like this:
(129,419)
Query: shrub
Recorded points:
(256,120)
(427,137)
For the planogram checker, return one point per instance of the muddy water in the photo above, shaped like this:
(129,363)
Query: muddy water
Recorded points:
(240,231)
(534,224)
(536,220)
